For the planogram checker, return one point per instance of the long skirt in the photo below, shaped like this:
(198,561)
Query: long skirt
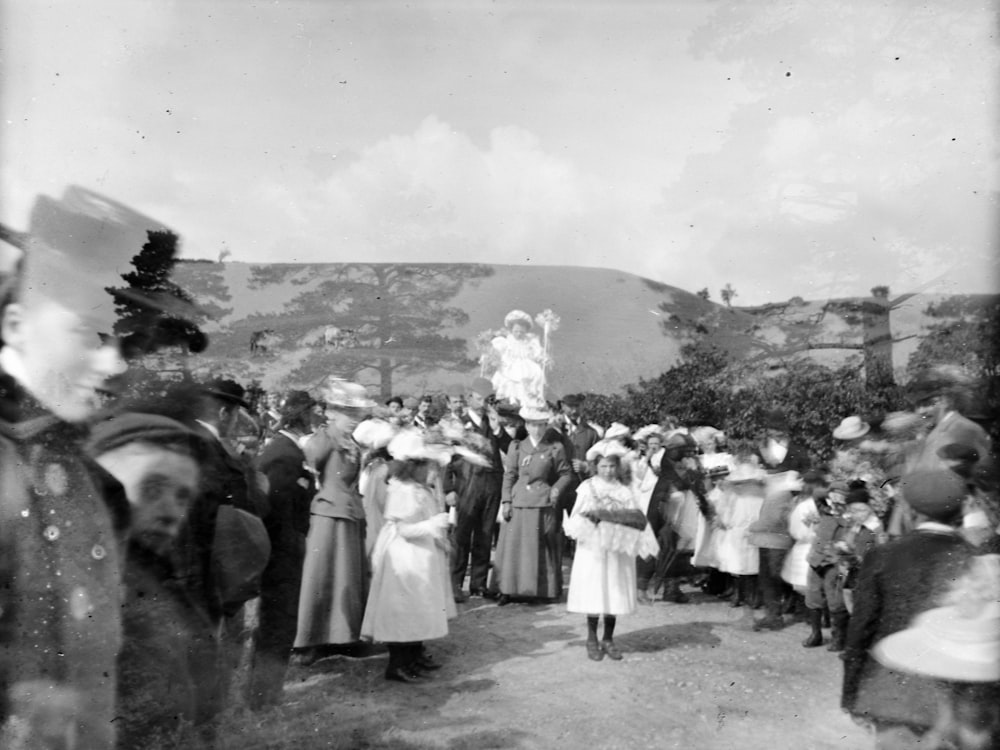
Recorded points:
(529,554)
(334,583)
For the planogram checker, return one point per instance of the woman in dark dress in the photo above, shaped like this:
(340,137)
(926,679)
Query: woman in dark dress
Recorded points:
(529,551)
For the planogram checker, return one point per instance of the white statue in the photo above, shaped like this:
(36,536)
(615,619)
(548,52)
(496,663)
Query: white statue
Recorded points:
(520,361)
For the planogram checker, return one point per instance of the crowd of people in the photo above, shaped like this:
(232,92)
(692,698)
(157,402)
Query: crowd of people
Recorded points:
(139,537)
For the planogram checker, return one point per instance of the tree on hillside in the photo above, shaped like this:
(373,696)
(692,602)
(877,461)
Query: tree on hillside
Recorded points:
(154,312)
(727,293)
(205,282)
(874,316)
(966,333)
(704,294)
(362,319)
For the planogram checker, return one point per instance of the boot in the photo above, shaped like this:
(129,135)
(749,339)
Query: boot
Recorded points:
(672,592)
(739,591)
(816,633)
(838,636)
(826,617)
(755,596)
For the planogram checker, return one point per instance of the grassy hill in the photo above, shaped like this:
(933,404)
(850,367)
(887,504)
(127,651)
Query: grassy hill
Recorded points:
(615,327)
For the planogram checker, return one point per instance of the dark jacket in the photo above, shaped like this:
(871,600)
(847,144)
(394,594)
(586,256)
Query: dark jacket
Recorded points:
(896,582)
(225,480)
(166,667)
(60,601)
(532,472)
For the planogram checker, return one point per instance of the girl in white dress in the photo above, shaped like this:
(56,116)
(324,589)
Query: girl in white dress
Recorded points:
(610,531)
(410,600)
(739,506)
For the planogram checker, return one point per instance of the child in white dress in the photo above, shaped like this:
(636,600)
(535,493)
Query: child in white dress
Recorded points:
(410,599)
(610,531)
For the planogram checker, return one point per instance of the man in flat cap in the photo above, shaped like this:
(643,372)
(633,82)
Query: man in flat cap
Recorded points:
(476,492)
(60,602)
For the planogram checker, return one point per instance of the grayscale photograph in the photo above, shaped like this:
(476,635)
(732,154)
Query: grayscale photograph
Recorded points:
(467,374)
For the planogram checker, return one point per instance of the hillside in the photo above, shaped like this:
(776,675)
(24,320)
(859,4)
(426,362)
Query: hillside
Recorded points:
(615,327)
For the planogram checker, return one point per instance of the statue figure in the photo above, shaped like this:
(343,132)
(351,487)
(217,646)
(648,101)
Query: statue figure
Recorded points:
(520,361)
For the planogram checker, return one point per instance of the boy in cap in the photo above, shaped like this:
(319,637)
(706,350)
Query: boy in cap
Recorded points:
(169,650)
(60,605)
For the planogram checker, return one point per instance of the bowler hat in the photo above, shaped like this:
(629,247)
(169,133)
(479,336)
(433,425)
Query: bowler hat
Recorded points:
(482,386)
(228,390)
(573,399)
(296,404)
(507,409)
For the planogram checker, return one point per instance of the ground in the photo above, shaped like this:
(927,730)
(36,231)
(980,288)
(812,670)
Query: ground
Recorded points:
(694,676)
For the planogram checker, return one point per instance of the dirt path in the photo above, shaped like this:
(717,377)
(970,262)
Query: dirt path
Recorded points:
(694,676)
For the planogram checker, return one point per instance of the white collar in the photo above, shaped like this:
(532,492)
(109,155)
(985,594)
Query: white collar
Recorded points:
(12,364)
(476,419)
(211,428)
(941,528)
(294,438)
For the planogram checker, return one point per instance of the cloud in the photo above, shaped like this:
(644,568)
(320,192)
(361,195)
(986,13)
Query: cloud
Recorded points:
(434,195)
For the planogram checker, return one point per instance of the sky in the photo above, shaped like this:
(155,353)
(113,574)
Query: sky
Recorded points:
(783,148)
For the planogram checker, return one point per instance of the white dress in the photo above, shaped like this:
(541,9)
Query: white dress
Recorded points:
(519,376)
(602,580)
(644,477)
(796,568)
(706,547)
(739,506)
(410,597)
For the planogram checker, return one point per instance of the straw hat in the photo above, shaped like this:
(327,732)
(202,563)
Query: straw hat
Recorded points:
(851,428)
(606,448)
(945,644)
(538,413)
(374,433)
(644,433)
(409,445)
(345,395)
(616,430)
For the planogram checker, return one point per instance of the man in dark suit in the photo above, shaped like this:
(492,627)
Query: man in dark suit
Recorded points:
(289,494)
(476,492)
(898,581)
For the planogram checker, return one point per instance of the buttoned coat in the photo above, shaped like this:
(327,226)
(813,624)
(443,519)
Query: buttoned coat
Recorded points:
(60,602)
(533,471)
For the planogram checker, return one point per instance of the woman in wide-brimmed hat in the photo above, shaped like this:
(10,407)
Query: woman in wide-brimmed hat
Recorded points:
(335,573)
(536,473)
